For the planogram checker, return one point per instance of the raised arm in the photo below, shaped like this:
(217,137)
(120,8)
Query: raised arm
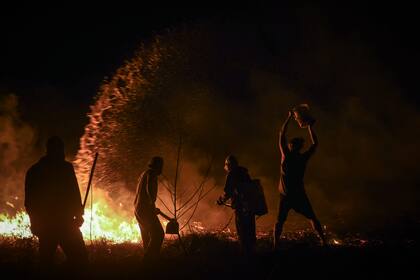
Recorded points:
(314,140)
(313,136)
(282,141)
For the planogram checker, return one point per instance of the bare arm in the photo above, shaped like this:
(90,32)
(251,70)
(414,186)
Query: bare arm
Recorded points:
(314,140)
(282,142)
(313,136)
(75,192)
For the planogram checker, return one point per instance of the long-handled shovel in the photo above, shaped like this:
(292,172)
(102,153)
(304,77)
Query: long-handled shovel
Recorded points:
(87,194)
(90,180)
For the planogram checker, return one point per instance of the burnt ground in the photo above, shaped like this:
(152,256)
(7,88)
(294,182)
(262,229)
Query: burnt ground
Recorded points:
(218,256)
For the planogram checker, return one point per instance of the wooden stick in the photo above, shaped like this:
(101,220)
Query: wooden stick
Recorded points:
(90,180)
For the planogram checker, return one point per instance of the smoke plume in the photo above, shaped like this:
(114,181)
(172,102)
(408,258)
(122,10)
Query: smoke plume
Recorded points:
(217,89)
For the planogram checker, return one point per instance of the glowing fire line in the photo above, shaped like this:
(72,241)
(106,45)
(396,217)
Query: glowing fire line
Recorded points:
(106,224)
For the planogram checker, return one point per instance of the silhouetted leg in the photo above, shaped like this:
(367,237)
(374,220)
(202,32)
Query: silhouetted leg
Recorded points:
(316,225)
(144,232)
(47,247)
(145,237)
(74,247)
(252,233)
(245,227)
(156,235)
(305,208)
(284,209)
(238,224)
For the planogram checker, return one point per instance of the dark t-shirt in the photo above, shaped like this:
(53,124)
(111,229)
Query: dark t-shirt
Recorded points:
(292,171)
(52,193)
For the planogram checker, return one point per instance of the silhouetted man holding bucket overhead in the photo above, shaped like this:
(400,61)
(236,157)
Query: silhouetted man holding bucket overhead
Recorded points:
(53,203)
(146,212)
(292,191)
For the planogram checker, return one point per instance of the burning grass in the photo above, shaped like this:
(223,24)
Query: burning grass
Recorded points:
(216,255)
(115,250)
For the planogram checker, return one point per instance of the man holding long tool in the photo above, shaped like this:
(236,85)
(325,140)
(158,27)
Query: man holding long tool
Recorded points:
(53,203)
(145,210)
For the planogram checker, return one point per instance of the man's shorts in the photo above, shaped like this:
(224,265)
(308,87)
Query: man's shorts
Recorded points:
(298,202)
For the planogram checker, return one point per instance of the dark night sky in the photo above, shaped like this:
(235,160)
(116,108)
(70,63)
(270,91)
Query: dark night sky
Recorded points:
(62,55)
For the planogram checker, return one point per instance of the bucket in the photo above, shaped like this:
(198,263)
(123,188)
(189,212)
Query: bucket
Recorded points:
(172,227)
(302,115)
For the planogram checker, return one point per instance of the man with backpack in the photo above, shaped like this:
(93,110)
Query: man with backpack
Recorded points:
(237,182)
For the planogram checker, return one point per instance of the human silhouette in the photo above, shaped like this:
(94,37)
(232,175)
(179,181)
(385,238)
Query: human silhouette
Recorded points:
(237,180)
(145,210)
(291,186)
(53,203)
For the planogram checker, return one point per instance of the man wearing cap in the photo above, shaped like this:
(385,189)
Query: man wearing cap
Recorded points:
(53,203)
(146,212)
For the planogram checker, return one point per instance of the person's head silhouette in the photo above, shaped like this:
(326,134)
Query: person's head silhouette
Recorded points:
(230,163)
(55,148)
(156,163)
